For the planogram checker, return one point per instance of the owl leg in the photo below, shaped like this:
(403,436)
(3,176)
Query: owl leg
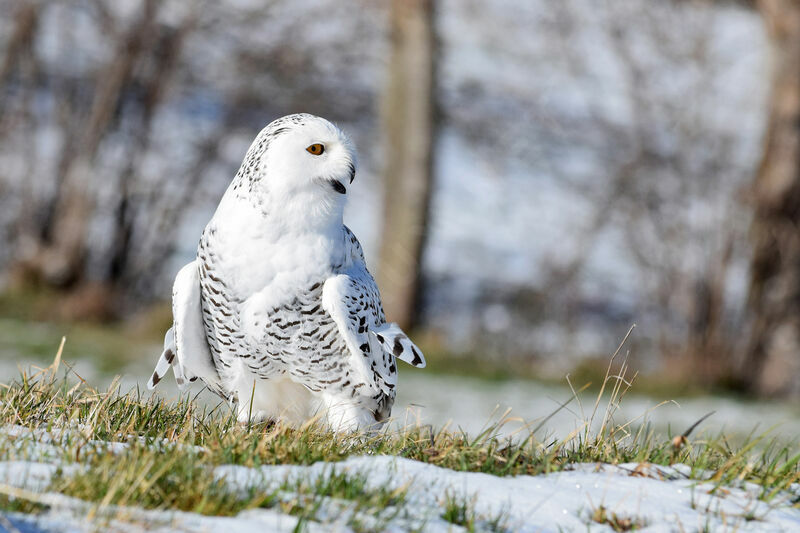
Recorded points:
(276,398)
(249,392)
(247,413)
(343,415)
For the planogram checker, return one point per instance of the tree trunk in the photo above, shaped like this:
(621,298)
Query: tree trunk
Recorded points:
(61,259)
(408,123)
(772,362)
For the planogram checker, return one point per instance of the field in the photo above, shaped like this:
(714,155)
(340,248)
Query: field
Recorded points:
(73,458)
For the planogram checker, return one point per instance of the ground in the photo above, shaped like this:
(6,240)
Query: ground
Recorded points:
(76,459)
(593,497)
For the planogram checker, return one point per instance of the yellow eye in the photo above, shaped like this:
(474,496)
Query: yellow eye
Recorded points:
(315,149)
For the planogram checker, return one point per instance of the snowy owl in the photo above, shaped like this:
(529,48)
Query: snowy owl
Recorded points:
(278,312)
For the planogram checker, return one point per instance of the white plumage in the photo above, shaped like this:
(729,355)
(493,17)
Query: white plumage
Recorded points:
(278,311)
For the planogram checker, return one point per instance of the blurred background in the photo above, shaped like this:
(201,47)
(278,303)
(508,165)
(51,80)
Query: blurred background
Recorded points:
(535,177)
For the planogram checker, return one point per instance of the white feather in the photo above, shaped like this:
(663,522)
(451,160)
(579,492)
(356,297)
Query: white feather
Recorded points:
(276,237)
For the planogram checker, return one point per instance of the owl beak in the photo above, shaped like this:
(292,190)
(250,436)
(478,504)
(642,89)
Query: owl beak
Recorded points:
(338,187)
(351,171)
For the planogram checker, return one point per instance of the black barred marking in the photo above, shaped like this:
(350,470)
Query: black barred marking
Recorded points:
(417,359)
(170,356)
(155,379)
(328,346)
(380,338)
(397,349)
(297,338)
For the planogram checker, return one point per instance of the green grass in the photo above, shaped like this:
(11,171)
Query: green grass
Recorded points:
(33,321)
(200,438)
(460,510)
(20,505)
(185,482)
(155,481)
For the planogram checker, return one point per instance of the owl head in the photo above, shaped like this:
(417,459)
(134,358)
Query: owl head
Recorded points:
(302,155)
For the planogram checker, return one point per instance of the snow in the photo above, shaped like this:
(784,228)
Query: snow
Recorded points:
(661,498)
(27,474)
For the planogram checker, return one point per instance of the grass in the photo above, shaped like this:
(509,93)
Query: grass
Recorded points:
(20,505)
(460,511)
(617,522)
(184,482)
(32,322)
(80,419)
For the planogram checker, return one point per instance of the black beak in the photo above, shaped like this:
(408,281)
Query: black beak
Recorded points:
(352,171)
(338,187)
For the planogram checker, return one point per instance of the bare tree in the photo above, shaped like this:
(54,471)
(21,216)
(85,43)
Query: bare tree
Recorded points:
(659,176)
(772,364)
(116,127)
(408,123)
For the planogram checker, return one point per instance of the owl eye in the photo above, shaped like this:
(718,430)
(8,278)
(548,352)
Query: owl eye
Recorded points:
(316,149)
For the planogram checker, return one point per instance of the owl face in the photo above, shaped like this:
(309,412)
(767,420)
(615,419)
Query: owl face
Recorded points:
(308,154)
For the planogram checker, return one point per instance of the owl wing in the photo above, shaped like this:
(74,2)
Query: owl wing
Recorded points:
(185,346)
(352,300)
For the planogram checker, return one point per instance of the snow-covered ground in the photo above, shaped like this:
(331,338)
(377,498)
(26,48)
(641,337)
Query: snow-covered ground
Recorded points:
(653,498)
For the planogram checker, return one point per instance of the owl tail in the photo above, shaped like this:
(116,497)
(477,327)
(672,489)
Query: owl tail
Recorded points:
(395,341)
(166,361)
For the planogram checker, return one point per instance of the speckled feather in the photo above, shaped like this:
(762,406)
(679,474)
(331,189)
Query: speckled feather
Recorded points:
(288,319)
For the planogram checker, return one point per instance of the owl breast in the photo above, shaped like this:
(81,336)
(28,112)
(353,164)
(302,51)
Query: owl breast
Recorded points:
(280,327)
